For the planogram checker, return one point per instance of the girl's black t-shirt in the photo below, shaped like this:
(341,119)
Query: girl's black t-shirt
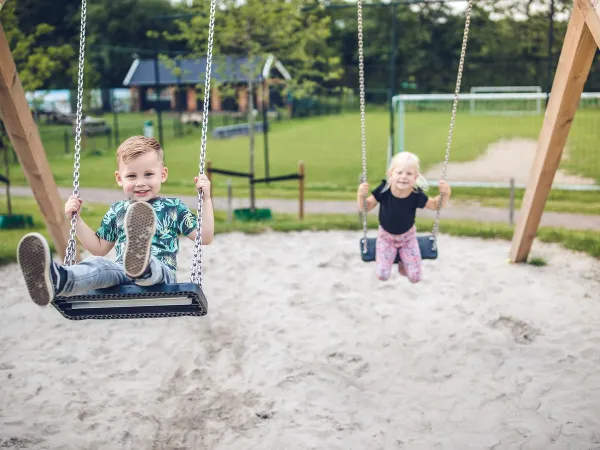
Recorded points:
(397,215)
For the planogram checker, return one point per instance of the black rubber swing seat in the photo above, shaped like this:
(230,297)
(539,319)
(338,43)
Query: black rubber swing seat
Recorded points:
(426,245)
(133,301)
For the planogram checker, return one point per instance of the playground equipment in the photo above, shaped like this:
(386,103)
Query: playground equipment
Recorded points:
(246,214)
(581,41)
(427,244)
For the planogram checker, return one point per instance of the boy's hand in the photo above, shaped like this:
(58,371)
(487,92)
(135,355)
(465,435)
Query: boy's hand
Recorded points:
(203,184)
(444,189)
(72,206)
(363,189)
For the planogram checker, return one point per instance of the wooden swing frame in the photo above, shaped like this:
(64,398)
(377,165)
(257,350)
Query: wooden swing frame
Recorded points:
(581,41)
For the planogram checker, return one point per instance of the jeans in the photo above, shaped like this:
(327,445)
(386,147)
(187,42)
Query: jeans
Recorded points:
(97,273)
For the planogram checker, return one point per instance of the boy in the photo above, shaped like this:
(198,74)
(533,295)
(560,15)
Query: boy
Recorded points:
(144,229)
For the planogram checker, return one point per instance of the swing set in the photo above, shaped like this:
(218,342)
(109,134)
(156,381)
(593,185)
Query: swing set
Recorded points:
(581,41)
(427,244)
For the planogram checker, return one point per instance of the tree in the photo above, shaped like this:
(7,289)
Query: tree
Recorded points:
(116,29)
(36,59)
(255,28)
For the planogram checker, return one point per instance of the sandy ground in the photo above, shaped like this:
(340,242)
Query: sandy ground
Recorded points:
(501,161)
(304,348)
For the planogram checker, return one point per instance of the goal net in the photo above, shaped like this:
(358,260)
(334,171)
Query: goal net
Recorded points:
(504,137)
(512,107)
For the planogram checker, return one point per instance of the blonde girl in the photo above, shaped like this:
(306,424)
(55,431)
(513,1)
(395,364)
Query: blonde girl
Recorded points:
(398,197)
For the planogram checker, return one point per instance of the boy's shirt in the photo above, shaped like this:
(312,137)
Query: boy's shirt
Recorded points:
(173,218)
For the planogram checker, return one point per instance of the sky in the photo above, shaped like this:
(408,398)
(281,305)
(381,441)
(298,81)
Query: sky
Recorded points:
(458,5)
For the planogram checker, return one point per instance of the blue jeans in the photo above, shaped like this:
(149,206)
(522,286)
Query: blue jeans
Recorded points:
(97,272)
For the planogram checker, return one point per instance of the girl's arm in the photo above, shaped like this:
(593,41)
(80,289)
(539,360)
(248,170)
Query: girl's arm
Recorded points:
(361,193)
(371,202)
(433,203)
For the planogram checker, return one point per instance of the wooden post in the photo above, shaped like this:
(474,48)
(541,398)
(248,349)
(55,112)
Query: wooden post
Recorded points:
(2,4)
(511,203)
(301,193)
(26,141)
(229,201)
(574,65)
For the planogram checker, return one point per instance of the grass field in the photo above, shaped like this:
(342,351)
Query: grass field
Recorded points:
(329,146)
(584,241)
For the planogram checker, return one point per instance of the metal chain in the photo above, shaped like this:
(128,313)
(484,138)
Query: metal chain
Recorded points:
(71,247)
(461,64)
(196,268)
(363,134)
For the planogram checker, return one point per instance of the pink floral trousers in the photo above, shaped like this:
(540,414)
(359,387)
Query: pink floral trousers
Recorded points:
(407,246)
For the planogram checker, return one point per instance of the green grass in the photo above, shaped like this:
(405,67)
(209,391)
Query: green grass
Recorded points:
(538,262)
(330,149)
(584,241)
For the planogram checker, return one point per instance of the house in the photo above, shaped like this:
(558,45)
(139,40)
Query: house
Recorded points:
(180,82)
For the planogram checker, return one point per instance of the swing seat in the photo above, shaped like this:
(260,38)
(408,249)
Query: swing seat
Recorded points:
(425,245)
(132,302)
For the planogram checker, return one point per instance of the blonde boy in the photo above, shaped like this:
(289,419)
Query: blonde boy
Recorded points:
(143,228)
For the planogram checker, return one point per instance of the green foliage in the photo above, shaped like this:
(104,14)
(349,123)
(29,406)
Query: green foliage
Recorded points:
(36,60)
(256,28)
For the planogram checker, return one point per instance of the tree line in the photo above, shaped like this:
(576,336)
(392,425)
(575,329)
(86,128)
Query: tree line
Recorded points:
(412,47)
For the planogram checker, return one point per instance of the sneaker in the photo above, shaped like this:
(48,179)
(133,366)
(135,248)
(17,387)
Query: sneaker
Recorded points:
(35,261)
(140,227)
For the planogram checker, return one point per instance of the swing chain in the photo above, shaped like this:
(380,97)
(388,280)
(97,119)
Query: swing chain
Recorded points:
(461,64)
(361,75)
(71,247)
(196,269)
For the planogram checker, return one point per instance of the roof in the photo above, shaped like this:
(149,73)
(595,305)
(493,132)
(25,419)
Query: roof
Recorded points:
(224,69)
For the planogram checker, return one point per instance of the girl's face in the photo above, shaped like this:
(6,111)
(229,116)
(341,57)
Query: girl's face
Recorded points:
(403,179)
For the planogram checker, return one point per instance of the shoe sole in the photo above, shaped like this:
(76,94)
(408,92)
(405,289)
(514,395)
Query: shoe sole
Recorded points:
(140,226)
(33,256)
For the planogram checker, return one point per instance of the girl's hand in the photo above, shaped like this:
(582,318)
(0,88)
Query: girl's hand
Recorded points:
(203,184)
(73,206)
(444,189)
(363,189)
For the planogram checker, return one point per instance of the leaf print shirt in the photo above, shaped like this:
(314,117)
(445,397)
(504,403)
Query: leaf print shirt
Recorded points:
(173,218)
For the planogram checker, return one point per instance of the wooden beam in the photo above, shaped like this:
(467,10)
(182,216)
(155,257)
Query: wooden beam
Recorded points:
(2,2)
(591,13)
(25,138)
(573,68)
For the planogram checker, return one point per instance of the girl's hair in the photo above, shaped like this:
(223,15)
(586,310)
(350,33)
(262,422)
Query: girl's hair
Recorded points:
(403,160)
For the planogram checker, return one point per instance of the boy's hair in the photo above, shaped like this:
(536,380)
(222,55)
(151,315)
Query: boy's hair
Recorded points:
(404,159)
(136,146)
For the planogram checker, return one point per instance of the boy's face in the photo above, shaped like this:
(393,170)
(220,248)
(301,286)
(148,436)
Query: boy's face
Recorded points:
(141,177)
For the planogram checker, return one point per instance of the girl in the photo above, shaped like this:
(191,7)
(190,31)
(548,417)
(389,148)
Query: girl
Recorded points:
(399,197)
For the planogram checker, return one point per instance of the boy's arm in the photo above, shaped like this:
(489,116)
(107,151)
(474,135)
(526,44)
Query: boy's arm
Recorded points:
(92,243)
(208,223)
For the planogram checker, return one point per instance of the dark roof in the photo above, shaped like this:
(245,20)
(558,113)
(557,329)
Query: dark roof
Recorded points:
(224,69)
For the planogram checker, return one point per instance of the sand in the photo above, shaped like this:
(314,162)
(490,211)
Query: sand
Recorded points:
(503,160)
(304,348)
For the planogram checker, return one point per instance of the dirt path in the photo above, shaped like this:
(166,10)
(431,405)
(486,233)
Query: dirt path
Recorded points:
(454,211)
(502,160)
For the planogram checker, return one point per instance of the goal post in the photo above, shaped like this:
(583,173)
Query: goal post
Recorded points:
(505,89)
(502,104)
